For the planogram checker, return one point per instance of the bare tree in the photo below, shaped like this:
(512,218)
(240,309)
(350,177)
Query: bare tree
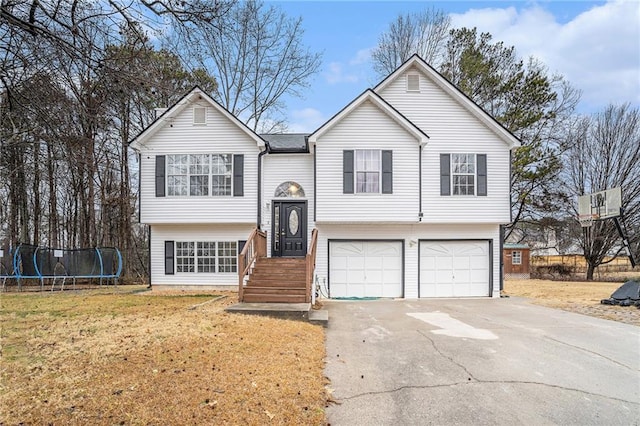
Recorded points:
(424,33)
(257,56)
(604,153)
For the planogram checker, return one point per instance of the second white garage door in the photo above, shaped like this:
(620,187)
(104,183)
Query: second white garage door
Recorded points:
(365,268)
(454,268)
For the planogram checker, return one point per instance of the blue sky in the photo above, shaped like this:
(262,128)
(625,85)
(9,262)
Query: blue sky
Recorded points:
(594,44)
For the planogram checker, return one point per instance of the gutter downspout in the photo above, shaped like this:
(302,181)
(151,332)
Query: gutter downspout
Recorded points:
(420,213)
(259,218)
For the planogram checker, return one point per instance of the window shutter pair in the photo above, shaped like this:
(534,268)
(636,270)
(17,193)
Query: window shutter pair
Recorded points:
(238,175)
(445,174)
(348,172)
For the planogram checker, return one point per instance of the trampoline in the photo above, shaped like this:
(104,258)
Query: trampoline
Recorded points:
(60,265)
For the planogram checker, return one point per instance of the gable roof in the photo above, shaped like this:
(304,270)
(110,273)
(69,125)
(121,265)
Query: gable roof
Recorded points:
(384,106)
(194,95)
(416,61)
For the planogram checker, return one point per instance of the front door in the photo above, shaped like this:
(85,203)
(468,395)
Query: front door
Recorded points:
(289,229)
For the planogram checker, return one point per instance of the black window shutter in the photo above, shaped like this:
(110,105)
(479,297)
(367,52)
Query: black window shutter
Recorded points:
(482,174)
(241,245)
(238,175)
(445,174)
(160,175)
(387,172)
(347,172)
(168,258)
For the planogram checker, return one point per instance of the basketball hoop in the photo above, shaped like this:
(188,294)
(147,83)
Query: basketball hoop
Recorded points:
(586,220)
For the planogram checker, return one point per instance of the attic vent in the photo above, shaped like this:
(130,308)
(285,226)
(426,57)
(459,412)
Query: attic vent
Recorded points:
(413,83)
(199,115)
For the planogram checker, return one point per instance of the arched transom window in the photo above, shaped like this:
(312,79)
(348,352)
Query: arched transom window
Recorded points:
(289,190)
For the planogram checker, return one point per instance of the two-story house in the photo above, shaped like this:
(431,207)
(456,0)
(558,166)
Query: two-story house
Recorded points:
(408,187)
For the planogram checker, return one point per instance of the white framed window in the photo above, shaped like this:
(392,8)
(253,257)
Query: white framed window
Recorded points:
(367,170)
(177,174)
(199,115)
(221,174)
(206,256)
(463,174)
(199,174)
(185,256)
(413,82)
(227,256)
(516,258)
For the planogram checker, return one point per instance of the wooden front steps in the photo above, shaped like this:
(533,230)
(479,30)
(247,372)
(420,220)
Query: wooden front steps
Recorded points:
(277,280)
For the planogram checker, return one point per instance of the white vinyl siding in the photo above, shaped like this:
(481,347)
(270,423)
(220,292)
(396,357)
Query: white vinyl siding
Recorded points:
(226,237)
(182,138)
(367,128)
(281,168)
(410,234)
(452,128)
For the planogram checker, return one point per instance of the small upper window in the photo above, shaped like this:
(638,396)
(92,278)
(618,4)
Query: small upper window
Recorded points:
(413,83)
(289,190)
(199,115)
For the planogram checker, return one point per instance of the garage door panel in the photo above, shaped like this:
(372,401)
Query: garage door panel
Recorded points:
(373,263)
(478,262)
(355,277)
(372,268)
(347,249)
(462,262)
(454,268)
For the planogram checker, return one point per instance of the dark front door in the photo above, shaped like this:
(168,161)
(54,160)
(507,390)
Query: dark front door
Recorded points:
(289,229)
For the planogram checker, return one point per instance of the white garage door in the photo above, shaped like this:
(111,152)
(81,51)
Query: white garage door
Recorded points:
(365,268)
(454,268)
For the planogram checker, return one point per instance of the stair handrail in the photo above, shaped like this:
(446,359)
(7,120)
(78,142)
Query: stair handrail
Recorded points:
(310,261)
(254,248)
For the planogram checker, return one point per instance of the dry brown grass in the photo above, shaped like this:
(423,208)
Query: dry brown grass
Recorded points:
(575,296)
(111,356)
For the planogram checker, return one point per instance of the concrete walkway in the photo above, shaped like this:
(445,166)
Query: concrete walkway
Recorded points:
(479,361)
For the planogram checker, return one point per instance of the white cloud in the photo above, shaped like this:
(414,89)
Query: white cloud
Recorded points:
(305,120)
(598,51)
(362,56)
(336,74)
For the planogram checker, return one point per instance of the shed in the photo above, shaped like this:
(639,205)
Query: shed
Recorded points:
(516,258)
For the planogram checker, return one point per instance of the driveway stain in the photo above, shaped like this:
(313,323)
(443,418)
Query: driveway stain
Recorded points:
(452,327)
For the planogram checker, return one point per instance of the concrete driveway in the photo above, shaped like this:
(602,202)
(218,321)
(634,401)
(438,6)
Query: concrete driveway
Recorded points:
(478,361)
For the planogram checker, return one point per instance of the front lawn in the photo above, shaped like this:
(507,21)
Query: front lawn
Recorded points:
(126,356)
(576,296)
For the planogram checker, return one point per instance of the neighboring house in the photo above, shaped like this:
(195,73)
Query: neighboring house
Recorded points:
(516,258)
(408,187)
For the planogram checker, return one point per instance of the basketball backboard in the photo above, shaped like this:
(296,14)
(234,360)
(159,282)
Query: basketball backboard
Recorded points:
(600,205)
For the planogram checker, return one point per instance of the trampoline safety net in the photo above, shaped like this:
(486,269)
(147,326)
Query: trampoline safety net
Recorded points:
(30,261)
